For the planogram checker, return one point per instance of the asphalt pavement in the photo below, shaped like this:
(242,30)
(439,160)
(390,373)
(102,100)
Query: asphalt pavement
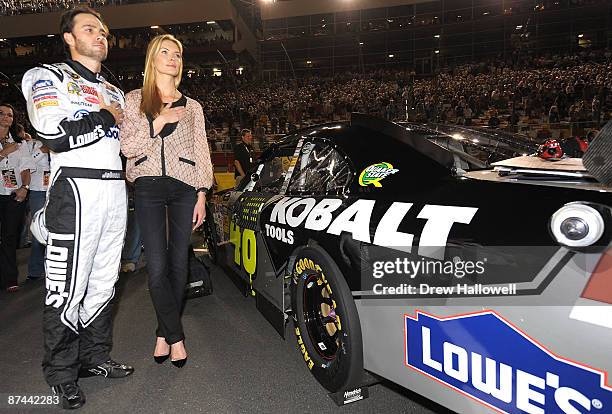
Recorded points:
(237,362)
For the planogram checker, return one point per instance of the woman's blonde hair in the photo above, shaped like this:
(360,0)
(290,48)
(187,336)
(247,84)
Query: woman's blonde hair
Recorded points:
(151,103)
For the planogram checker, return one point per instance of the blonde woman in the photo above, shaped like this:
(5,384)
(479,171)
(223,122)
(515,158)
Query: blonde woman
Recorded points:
(164,139)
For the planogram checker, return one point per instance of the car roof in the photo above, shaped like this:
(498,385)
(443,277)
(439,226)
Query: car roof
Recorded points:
(363,130)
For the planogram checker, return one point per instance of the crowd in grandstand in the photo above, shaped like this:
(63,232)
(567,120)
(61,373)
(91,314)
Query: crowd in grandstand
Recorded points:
(573,89)
(570,89)
(16,7)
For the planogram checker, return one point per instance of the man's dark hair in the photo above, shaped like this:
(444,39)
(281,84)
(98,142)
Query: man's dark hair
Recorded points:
(67,21)
(245,132)
(13,127)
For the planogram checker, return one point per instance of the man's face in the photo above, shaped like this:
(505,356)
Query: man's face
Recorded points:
(248,138)
(88,38)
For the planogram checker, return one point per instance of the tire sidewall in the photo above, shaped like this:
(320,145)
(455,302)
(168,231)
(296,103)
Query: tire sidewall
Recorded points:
(345,370)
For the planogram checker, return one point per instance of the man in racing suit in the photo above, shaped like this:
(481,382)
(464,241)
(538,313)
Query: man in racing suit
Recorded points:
(75,112)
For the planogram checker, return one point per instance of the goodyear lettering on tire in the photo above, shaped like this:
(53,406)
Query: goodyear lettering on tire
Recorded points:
(305,264)
(307,359)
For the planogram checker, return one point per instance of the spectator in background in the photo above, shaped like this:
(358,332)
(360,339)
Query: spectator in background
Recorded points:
(493,120)
(274,122)
(243,155)
(260,133)
(459,114)
(132,248)
(553,115)
(38,193)
(24,233)
(596,111)
(467,114)
(16,165)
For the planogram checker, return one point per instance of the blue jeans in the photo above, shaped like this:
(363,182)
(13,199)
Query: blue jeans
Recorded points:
(133,243)
(36,265)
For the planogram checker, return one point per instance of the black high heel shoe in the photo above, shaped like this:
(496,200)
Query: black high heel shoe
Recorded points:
(179,363)
(161,359)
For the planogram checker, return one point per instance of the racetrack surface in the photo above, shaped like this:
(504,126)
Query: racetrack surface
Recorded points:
(237,362)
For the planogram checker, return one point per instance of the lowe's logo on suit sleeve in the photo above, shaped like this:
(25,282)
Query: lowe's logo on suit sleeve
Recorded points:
(355,219)
(85,139)
(484,357)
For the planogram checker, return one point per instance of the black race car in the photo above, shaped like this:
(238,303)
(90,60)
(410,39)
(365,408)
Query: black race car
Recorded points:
(412,252)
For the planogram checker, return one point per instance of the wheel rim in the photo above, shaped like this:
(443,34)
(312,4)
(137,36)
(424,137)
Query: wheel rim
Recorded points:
(320,317)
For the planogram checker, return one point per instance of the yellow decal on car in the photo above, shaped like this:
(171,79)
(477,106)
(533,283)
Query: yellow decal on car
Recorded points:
(375,173)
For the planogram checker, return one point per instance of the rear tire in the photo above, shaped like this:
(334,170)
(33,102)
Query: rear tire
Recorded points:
(326,323)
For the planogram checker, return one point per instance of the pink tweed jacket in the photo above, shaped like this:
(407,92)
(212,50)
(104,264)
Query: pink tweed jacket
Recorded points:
(182,155)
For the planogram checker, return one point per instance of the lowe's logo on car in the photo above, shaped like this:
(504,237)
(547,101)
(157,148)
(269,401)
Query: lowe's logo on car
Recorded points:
(483,356)
(355,219)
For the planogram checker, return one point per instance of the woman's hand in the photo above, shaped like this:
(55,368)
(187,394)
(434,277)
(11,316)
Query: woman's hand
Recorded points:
(168,115)
(172,115)
(199,211)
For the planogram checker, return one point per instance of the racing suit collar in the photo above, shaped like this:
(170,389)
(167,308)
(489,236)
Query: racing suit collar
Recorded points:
(84,72)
